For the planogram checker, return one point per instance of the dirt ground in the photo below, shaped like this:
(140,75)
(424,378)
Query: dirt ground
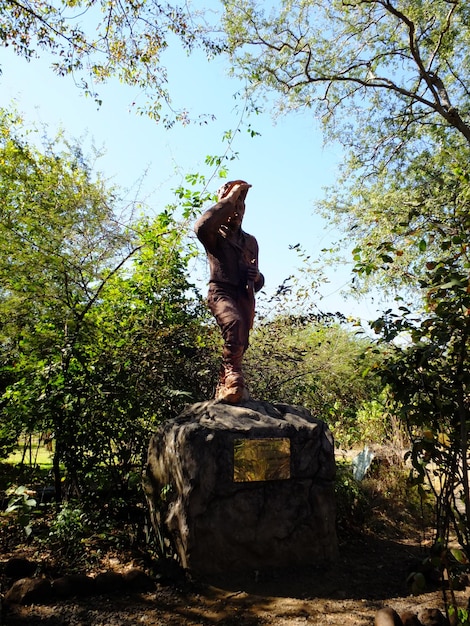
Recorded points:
(371,573)
(377,551)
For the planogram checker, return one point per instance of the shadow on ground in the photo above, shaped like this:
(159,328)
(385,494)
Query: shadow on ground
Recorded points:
(368,568)
(371,572)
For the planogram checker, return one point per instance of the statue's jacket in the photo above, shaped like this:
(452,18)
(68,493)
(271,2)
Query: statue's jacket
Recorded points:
(230,253)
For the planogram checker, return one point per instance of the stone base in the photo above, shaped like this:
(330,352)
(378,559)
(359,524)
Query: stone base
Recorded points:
(249,486)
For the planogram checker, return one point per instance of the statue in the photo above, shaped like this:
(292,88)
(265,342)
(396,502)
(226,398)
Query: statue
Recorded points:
(234,280)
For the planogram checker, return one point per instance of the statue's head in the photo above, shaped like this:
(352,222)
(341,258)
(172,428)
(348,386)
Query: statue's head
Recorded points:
(236,218)
(223,191)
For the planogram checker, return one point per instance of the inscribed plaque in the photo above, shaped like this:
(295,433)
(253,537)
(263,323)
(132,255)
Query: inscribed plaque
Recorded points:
(261,459)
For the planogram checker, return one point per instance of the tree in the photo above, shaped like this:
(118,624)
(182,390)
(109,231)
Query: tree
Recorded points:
(390,82)
(429,379)
(404,221)
(101,332)
(95,41)
(382,69)
(313,361)
(60,242)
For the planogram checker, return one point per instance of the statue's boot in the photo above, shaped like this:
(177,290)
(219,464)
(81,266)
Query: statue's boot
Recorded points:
(232,386)
(234,389)
(221,383)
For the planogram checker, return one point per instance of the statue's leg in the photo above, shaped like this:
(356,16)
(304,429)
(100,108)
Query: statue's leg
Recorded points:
(231,385)
(235,383)
(232,356)
(233,313)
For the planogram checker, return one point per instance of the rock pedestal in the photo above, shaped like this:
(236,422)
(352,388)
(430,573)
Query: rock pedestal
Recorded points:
(249,486)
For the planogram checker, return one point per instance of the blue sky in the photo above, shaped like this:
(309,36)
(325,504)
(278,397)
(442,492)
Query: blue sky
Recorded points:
(287,165)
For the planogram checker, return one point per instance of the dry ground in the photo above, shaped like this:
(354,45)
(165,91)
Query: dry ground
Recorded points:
(370,574)
(378,549)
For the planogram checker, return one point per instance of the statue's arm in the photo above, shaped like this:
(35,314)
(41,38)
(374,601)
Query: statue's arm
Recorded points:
(207,226)
(259,281)
(253,270)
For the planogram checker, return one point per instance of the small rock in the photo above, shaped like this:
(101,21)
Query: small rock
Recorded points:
(74,585)
(432,617)
(109,582)
(18,567)
(387,617)
(29,591)
(410,619)
(137,580)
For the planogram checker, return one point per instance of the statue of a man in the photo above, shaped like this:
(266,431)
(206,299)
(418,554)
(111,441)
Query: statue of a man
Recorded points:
(234,280)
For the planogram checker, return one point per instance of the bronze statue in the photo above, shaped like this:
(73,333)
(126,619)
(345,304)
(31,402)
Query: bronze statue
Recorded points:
(234,280)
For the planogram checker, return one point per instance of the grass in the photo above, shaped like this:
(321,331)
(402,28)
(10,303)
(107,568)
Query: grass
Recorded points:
(31,462)
(32,452)
(383,503)
(43,458)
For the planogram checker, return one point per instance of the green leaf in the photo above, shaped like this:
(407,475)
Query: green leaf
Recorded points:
(459,555)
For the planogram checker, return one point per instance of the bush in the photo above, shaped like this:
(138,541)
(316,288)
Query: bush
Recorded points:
(383,502)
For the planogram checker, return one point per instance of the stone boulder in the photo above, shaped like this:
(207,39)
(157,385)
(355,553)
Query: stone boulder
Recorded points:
(248,486)
(74,586)
(29,591)
(19,567)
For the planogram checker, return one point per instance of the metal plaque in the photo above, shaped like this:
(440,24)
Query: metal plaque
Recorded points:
(261,459)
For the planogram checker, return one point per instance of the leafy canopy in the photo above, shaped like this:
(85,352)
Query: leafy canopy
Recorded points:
(390,82)
(95,41)
(374,69)
(101,330)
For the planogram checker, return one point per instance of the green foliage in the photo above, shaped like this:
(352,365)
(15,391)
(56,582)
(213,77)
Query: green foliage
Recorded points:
(316,363)
(102,336)
(8,439)
(378,423)
(401,68)
(408,222)
(20,504)
(351,502)
(461,615)
(372,421)
(68,529)
(97,41)
(427,372)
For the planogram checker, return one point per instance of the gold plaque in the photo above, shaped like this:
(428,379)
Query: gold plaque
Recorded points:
(261,459)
